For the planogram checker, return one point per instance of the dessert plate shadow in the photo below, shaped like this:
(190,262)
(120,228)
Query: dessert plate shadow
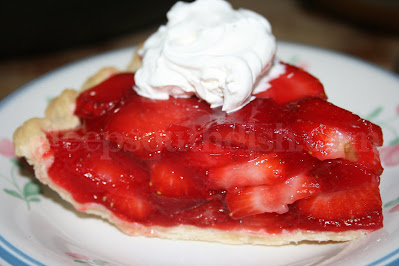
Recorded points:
(38,228)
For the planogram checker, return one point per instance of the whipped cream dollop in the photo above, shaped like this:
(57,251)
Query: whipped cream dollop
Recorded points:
(210,50)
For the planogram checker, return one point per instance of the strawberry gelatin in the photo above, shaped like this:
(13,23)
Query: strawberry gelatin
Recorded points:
(285,161)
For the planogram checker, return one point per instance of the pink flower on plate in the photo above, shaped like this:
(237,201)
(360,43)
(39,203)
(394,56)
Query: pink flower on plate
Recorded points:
(397,109)
(77,256)
(395,208)
(303,65)
(7,148)
(390,155)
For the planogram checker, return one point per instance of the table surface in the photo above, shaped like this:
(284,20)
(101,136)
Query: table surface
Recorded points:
(292,21)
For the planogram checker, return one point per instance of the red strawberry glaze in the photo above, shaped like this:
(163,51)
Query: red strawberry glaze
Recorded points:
(206,168)
(294,84)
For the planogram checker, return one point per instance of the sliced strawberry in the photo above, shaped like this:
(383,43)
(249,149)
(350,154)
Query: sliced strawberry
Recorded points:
(256,126)
(170,179)
(321,112)
(272,223)
(128,204)
(100,170)
(207,155)
(145,127)
(170,206)
(267,169)
(293,85)
(274,198)
(345,204)
(211,212)
(107,168)
(329,132)
(244,136)
(258,111)
(252,168)
(324,142)
(338,174)
(96,164)
(105,96)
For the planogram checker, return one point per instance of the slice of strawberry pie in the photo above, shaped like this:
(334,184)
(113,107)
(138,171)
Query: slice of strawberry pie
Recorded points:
(284,166)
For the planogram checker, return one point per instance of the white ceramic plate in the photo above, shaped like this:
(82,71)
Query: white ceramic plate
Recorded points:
(37,228)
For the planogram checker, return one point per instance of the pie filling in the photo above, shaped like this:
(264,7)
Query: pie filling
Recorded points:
(288,160)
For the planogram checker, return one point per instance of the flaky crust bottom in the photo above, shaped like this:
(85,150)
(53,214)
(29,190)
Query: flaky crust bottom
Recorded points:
(30,142)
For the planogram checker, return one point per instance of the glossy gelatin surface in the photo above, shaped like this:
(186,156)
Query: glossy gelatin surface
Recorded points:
(295,162)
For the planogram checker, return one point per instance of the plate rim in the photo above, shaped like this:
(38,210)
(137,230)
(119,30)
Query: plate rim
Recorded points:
(32,84)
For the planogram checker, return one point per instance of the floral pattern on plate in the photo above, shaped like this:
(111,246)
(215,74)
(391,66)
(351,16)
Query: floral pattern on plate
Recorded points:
(28,192)
(390,151)
(79,258)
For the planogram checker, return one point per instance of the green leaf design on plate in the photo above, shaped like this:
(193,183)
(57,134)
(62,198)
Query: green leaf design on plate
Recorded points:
(27,192)
(81,261)
(49,99)
(394,141)
(31,189)
(17,163)
(294,60)
(34,199)
(13,193)
(391,203)
(100,262)
(376,112)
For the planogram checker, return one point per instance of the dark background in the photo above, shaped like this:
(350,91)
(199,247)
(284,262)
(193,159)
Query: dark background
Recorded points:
(38,36)
(42,26)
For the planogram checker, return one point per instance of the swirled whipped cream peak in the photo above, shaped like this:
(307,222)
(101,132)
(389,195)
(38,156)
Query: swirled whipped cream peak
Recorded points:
(210,50)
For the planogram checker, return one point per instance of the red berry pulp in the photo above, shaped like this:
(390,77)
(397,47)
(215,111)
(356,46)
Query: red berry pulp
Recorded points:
(269,166)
